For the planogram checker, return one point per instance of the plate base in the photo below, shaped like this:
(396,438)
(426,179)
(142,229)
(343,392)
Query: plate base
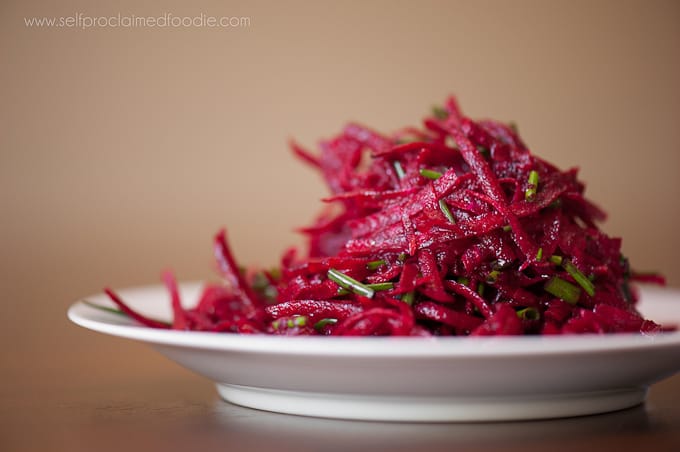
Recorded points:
(431,409)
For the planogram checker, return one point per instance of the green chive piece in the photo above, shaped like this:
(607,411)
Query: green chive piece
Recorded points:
(529,314)
(401,257)
(260,281)
(492,277)
(349,283)
(513,127)
(404,140)
(408,297)
(533,177)
(323,322)
(484,151)
(627,294)
(399,170)
(439,112)
(463,280)
(105,308)
(555,259)
(623,260)
(298,320)
(430,174)
(117,311)
(480,289)
(381,286)
(563,289)
(539,254)
(556,204)
(263,286)
(579,277)
(375,286)
(446,211)
(507,228)
(275,273)
(532,186)
(374,265)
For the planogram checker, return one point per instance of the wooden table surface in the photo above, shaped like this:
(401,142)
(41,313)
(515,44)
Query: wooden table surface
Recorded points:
(79,390)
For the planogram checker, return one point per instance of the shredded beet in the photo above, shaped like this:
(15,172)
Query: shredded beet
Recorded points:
(453,229)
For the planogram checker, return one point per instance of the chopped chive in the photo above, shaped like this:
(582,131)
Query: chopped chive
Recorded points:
(492,277)
(374,265)
(430,174)
(117,311)
(399,170)
(259,281)
(105,308)
(532,186)
(298,320)
(463,280)
(480,289)
(446,211)
(529,314)
(625,291)
(439,112)
(349,283)
(539,254)
(623,260)
(263,286)
(323,322)
(381,286)
(401,257)
(555,259)
(375,286)
(579,277)
(484,151)
(404,140)
(533,177)
(507,228)
(563,289)
(408,297)
(513,127)
(275,273)
(582,280)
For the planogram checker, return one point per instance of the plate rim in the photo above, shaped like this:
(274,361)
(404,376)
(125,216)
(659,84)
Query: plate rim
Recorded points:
(412,347)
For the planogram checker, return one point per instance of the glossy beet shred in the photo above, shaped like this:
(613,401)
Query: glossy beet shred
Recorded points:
(452,229)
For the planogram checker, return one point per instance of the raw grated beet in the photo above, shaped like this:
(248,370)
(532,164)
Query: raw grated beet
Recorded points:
(452,229)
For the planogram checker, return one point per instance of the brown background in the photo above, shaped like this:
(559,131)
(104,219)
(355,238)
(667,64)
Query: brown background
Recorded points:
(123,150)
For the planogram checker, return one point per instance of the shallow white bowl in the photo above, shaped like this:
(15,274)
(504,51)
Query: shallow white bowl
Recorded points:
(412,379)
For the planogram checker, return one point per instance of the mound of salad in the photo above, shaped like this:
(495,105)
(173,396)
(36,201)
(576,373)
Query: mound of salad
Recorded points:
(450,229)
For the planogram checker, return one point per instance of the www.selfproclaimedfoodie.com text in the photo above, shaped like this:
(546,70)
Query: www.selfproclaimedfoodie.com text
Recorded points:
(166,20)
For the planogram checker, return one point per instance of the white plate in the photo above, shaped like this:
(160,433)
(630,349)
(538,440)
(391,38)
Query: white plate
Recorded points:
(412,379)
